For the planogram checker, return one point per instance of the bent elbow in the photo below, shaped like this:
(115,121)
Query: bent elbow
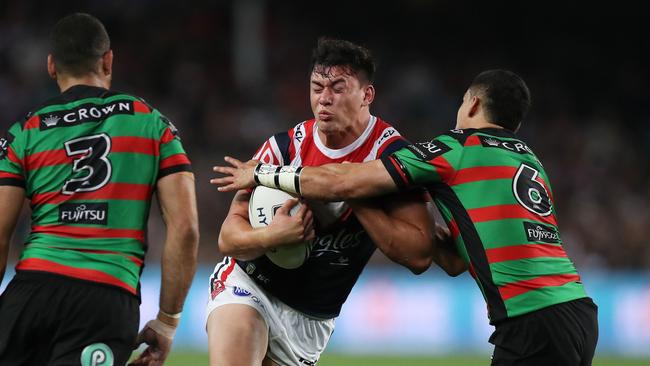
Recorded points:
(420,266)
(224,248)
(456,269)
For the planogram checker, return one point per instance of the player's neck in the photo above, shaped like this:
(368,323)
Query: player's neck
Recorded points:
(341,138)
(486,125)
(478,122)
(66,82)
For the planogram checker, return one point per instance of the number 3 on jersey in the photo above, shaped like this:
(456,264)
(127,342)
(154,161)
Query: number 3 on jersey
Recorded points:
(530,193)
(91,169)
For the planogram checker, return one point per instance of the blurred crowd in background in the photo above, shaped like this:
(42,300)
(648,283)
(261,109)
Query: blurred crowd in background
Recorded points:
(231,73)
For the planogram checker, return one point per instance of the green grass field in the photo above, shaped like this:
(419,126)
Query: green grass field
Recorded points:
(191,359)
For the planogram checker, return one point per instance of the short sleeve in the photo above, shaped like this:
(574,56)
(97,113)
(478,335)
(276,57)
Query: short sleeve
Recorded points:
(392,146)
(275,150)
(173,158)
(424,163)
(12,151)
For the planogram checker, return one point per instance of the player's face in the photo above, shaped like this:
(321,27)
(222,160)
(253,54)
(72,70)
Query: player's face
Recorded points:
(337,99)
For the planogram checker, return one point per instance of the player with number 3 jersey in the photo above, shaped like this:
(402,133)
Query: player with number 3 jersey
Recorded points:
(89,161)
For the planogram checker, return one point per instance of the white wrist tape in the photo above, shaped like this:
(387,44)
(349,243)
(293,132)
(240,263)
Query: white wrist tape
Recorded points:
(161,328)
(173,316)
(286,178)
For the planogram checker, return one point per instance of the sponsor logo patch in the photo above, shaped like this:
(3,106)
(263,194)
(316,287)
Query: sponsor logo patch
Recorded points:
(514,146)
(5,141)
(388,133)
(95,213)
(540,232)
(240,291)
(299,133)
(97,354)
(336,243)
(4,147)
(85,113)
(216,287)
(429,150)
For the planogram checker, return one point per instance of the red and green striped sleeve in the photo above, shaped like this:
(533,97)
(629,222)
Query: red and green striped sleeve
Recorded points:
(173,158)
(424,162)
(12,153)
(90,167)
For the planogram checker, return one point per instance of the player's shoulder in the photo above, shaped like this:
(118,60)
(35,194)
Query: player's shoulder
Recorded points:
(382,123)
(381,127)
(301,130)
(456,137)
(83,103)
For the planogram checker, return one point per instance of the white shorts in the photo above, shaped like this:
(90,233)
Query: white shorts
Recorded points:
(294,338)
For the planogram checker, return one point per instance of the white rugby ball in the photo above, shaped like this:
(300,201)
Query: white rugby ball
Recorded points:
(263,204)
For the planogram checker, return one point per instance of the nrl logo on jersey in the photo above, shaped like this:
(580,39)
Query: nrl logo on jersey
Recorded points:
(85,113)
(514,146)
(95,213)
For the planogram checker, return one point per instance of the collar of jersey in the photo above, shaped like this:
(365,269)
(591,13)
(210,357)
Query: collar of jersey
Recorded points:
(79,91)
(494,131)
(339,153)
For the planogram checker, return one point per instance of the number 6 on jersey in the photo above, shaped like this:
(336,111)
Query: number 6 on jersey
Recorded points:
(530,193)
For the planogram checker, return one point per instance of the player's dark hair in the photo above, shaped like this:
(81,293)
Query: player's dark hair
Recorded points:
(78,41)
(337,52)
(505,95)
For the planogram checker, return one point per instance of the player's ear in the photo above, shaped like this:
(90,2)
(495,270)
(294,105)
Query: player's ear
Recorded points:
(107,63)
(474,105)
(51,67)
(369,95)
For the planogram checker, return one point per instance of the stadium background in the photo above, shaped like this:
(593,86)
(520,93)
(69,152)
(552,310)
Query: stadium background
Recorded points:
(231,73)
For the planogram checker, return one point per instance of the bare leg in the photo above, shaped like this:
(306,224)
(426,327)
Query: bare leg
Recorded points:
(237,336)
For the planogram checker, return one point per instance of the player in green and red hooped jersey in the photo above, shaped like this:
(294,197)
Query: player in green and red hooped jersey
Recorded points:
(89,160)
(497,201)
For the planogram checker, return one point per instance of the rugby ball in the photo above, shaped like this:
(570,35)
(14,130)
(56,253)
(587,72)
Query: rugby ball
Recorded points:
(263,204)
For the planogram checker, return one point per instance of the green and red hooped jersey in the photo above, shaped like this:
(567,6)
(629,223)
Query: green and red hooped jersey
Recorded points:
(89,161)
(497,201)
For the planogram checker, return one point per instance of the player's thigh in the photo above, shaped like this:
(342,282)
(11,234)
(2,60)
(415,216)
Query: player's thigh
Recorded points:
(237,335)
